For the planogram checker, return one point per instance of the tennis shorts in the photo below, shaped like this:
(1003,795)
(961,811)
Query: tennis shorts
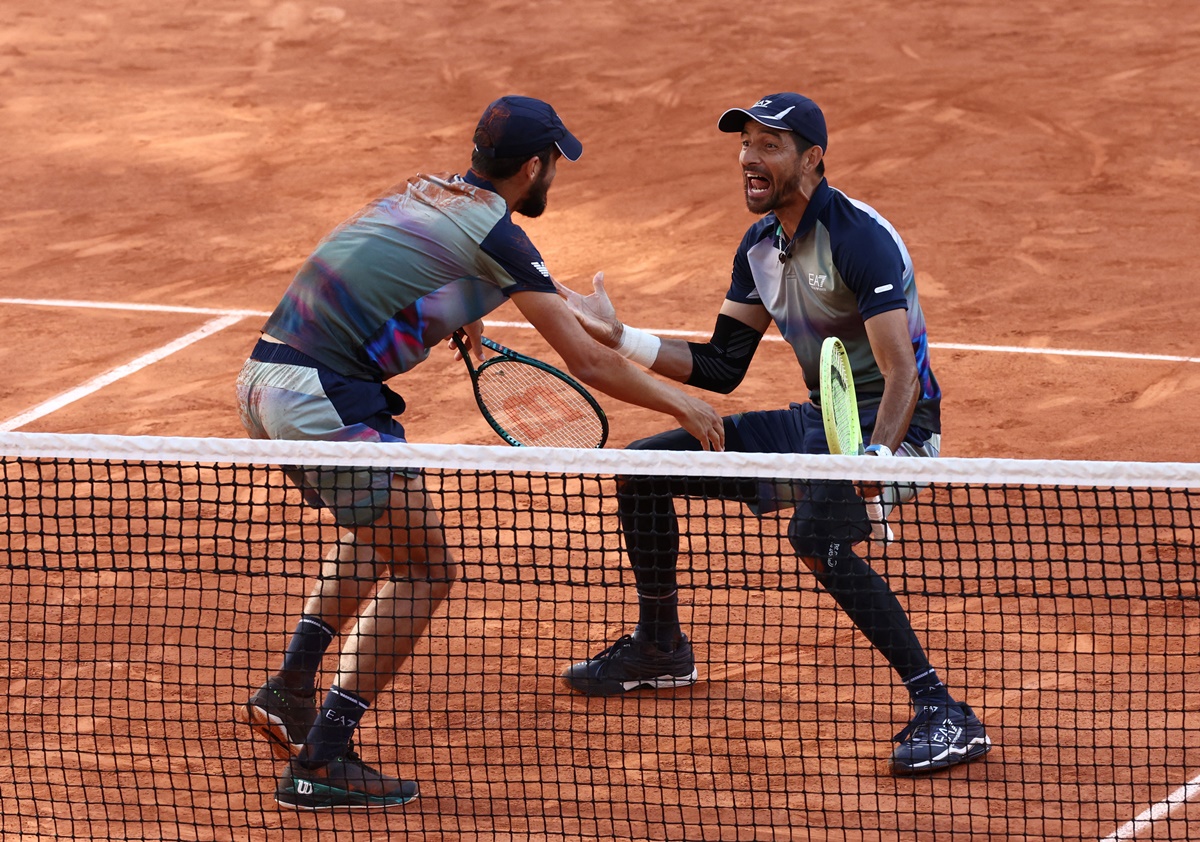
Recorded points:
(800,429)
(797,429)
(285,394)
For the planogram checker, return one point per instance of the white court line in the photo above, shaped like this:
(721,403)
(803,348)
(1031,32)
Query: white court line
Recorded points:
(1146,819)
(124,305)
(99,382)
(948,346)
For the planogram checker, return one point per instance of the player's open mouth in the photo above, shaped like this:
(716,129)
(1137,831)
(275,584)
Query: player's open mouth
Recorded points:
(757,185)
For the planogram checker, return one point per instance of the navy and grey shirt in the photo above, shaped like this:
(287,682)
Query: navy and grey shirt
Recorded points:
(845,264)
(404,273)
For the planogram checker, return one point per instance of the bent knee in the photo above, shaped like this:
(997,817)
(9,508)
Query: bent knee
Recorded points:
(827,523)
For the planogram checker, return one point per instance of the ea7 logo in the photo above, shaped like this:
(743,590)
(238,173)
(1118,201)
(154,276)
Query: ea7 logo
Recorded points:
(541,267)
(304,787)
(817,281)
(762,103)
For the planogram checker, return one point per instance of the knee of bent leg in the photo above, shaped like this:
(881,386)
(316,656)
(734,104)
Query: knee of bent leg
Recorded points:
(829,520)
(433,579)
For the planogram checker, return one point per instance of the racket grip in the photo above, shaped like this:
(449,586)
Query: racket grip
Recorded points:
(880,530)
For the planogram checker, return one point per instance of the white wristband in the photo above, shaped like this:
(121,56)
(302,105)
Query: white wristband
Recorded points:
(639,346)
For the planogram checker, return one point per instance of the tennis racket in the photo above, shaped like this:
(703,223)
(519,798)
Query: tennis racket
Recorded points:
(839,412)
(530,403)
(839,406)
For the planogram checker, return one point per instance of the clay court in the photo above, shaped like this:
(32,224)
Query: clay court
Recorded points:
(167,166)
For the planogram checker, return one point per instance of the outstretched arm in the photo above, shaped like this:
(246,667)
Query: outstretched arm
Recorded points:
(601,368)
(717,365)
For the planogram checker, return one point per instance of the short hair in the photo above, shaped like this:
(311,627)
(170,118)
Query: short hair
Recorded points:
(498,169)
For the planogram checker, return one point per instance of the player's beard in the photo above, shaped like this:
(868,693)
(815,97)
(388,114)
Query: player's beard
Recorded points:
(534,203)
(780,193)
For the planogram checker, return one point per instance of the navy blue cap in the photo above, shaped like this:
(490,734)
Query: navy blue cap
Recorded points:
(514,126)
(787,111)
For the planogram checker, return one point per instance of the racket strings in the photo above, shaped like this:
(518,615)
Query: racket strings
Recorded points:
(840,402)
(537,408)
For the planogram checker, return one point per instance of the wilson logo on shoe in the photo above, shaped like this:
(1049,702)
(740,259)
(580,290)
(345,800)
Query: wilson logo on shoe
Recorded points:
(304,787)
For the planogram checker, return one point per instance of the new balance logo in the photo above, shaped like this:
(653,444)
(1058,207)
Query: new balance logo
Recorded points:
(304,787)
(541,267)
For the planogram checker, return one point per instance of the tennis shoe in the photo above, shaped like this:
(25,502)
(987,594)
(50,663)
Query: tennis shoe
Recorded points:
(630,664)
(938,737)
(345,783)
(281,716)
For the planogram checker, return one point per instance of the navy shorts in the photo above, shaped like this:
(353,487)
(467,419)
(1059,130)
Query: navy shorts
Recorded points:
(797,429)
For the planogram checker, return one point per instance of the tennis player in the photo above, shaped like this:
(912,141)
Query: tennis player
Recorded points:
(817,264)
(370,302)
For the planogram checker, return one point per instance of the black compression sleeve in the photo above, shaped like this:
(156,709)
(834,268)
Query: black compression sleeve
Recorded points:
(720,364)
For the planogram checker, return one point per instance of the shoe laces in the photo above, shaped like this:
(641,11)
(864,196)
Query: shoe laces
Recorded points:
(918,728)
(623,643)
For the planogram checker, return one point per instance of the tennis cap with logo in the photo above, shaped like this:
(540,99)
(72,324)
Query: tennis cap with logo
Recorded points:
(514,126)
(787,111)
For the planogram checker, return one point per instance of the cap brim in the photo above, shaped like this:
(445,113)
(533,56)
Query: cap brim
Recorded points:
(569,146)
(734,120)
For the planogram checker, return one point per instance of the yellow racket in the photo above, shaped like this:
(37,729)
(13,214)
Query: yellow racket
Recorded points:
(839,412)
(839,406)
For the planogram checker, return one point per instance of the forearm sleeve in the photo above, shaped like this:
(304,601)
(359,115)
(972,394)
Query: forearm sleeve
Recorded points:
(720,364)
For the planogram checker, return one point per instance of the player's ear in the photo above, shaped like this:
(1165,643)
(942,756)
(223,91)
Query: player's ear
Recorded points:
(532,167)
(811,157)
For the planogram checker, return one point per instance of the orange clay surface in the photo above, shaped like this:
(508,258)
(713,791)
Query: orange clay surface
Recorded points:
(1040,160)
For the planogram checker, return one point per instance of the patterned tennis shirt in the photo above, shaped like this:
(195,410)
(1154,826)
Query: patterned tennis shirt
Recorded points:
(404,273)
(845,264)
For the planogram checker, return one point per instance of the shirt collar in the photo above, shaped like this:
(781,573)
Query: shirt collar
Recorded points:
(477,180)
(816,203)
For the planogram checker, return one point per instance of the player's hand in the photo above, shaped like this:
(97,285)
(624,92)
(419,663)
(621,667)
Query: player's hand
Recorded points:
(594,312)
(880,530)
(470,335)
(870,488)
(703,422)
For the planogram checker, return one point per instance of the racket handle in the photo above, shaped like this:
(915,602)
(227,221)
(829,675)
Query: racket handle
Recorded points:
(880,530)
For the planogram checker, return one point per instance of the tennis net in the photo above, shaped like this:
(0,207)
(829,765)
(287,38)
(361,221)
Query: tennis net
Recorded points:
(152,583)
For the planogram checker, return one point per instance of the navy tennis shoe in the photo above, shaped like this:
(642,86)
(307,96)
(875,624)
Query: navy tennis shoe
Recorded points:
(939,736)
(280,716)
(631,664)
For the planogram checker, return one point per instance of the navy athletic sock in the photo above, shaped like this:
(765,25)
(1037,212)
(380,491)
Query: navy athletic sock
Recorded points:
(305,650)
(335,724)
(658,619)
(925,688)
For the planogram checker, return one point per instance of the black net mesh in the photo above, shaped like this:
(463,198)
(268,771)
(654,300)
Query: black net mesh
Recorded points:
(146,601)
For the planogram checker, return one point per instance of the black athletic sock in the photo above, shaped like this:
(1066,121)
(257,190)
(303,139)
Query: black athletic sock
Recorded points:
(305,650)
(651,531)
(658,619)
(335,724)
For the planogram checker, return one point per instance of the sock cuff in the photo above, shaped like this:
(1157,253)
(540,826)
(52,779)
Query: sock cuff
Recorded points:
(353,698)
(311,620)
(660,597)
